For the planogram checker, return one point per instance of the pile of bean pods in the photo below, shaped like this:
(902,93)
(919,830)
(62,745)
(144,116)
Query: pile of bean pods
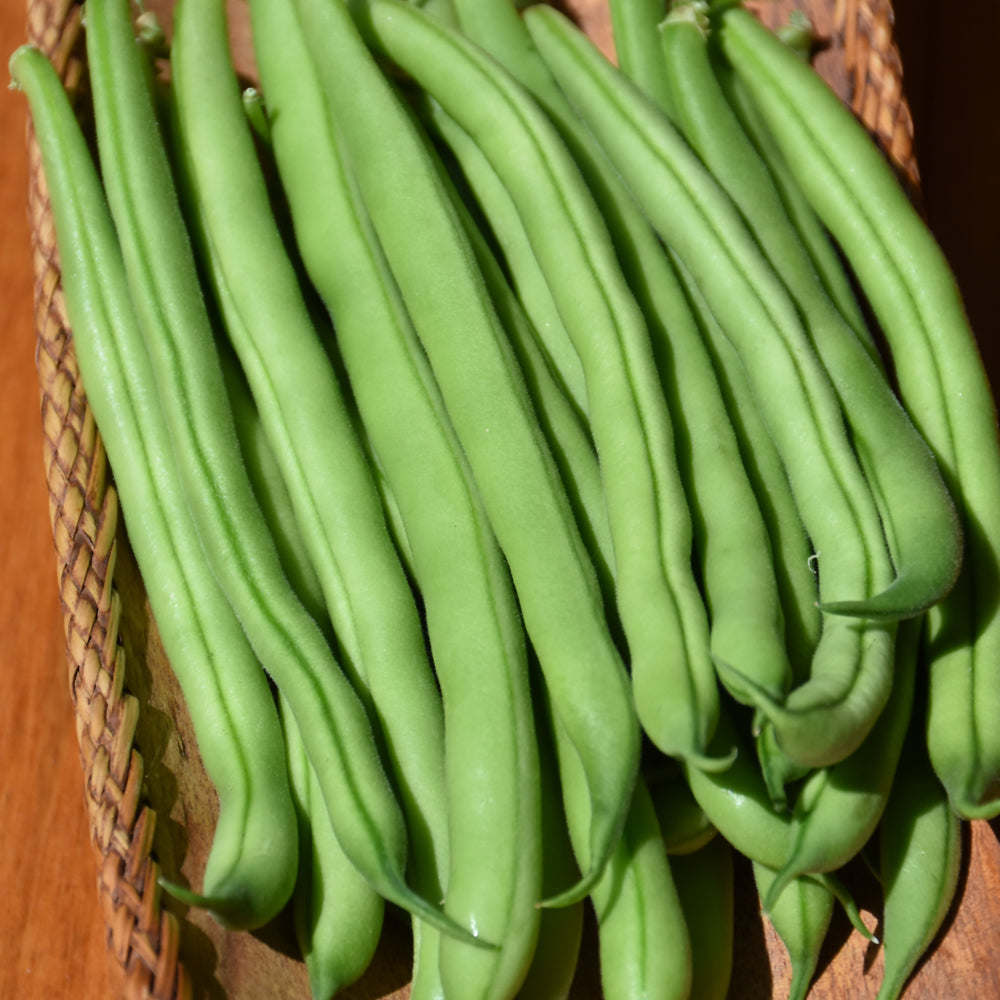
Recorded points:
(550,476)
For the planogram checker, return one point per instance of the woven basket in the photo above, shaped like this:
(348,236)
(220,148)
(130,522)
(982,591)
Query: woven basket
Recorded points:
(150,806)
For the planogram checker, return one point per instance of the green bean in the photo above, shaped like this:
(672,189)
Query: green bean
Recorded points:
(920,851)
(704,880)
(235,255)
(801,918)
(560,935)
(825,719)
(744,608)
(844,695)
(172,315)
(527,276)
(488,405)
(839,807)
(337,914)
(739,806)
(252,862)
(567,431)
(939,374)
(644,944)
(792,551)
(637,50)
(789,545)
(662,611)
(643,941)
(684,825)
(256,114)
(474,629)
(745,612)
(334,494)
(816,239)
(778,769)
(271,492)
(741,605)
(913,501)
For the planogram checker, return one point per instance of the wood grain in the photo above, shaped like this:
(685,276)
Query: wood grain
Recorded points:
(51,931)
(52,941)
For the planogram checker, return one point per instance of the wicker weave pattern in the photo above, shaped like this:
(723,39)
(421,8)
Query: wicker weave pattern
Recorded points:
(876,74)
(144,939)
(83,509)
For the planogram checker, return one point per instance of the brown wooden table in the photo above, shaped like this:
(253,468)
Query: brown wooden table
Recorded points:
(51,933)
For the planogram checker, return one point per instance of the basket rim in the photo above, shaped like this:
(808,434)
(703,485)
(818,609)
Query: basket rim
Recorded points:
(144,939)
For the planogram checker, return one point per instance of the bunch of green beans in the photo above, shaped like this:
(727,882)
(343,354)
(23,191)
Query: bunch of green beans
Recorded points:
(528,512)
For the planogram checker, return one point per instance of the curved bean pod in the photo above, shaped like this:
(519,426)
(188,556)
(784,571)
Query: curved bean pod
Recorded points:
(829,266)
(476,637)
(684,825)
(824,720)
(252,863)
(662,612)
(920,860)
(745,612)
(801,918)
(790,545)
(633,28)
(777,768)
(163,279)
(739,806)
(704,881)
(572,445)
(643,941)
(528,279)
(940,378)
(337,914)
(913,502)
(488,406)
(271,492)
(378,630)
(560,935)
(744,608)
(838,808)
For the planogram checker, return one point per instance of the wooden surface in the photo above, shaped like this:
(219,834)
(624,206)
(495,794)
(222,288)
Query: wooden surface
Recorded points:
(51,932)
